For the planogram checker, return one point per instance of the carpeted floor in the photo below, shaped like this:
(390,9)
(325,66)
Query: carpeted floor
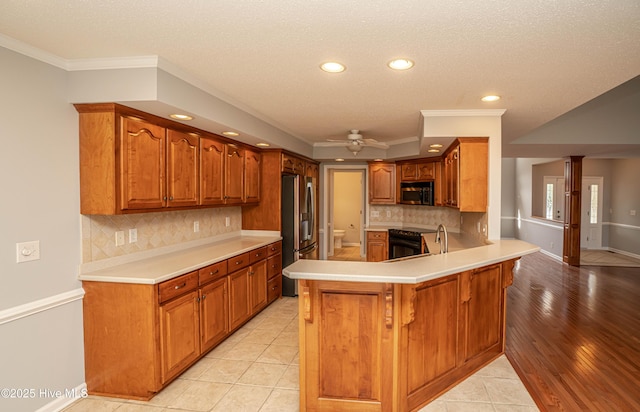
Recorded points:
(606,258)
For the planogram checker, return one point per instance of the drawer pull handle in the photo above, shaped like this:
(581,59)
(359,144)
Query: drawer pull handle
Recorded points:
(180,286)
(238,262)
(214,272)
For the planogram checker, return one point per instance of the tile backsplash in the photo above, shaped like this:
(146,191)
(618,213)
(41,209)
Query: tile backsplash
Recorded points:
(155,230)
(407,215)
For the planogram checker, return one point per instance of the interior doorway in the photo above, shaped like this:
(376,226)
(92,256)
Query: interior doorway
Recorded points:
(346,207)
(591,213)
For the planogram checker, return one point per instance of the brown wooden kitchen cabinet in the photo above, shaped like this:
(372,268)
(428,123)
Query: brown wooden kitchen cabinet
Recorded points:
(251,176)
(377,246)
(179,334)
(143,164)
(183,165)
(416,171)
(382,183)
(395,347)
(212,170)
(293,164)
(466,169)
(233,174)
(139,337)
(274,271)
(132,162)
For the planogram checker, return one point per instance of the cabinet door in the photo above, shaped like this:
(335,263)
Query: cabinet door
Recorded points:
(425,171)
(408,171)
(142,165)
(214,314)
(234,174)
(258,285)
(346,354)
(252,176)
(239,309)
(182,169)
(179,334)
(382,183)
(212,175)
(377,247)
(483,310)
(312,170)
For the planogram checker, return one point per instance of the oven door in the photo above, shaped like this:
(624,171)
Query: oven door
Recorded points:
(399,248)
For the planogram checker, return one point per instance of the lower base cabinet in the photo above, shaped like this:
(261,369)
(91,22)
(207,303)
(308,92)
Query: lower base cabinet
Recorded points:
(396,347)
(179,334)
(139,337)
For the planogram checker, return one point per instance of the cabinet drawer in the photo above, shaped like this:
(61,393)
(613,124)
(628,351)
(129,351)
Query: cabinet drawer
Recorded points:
(212,272)
(376,235)
(274,265)
(274,288)
(238,262)
(258,254)
(175,287)
(274,248)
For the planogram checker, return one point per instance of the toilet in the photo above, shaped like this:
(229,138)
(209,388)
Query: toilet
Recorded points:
(338,234)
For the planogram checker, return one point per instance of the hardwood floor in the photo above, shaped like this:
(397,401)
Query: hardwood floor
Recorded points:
(573,334)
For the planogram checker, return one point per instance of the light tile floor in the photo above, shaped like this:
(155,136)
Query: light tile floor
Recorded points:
(256,369)
(347,253)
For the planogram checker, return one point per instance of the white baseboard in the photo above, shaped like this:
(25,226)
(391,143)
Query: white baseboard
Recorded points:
(623,252)
(551,255)
(68,397)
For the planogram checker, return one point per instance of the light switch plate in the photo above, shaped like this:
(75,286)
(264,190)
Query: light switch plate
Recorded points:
(120,238)
(196,226)
(133,235)
(27,251)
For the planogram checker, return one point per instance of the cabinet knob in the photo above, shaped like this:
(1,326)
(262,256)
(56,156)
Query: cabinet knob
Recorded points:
(170,197)
(204,296)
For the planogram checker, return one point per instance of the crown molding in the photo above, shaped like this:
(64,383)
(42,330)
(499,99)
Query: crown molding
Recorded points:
(134,62)
(33,52)
(463,113)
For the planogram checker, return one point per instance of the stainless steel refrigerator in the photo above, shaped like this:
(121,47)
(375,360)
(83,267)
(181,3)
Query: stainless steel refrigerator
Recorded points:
(299,237)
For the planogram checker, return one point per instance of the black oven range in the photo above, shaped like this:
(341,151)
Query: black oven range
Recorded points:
(407,242)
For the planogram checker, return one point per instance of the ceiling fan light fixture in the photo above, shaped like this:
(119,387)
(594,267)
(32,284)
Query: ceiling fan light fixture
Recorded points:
(400,64)
(333,67)
(354,148)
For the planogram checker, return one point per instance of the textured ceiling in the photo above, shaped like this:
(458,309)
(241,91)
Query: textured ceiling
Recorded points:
(544,58)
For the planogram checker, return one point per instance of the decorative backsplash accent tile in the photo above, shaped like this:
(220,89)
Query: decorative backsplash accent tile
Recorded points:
(155,230)
(407,215)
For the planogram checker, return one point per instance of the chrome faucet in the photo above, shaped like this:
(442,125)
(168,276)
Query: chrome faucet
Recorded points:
(445,248)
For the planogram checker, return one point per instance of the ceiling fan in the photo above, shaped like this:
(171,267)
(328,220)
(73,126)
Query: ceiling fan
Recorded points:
(355,142)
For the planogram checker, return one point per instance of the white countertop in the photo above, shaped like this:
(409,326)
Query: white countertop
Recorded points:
(412,270)
(160,268)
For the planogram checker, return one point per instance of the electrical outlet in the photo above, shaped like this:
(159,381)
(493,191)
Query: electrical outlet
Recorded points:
(227,221)
(196,226)
(388,213)
(120,238)
(27,251)
(375,213)
(551,245)
(133,235)
(632,212)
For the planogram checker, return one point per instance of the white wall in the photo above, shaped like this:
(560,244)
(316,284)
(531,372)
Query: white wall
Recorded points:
(41,345)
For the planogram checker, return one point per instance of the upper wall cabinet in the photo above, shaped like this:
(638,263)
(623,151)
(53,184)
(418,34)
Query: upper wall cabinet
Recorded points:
(416,171)
(131,161)
(466,169)
(382,183)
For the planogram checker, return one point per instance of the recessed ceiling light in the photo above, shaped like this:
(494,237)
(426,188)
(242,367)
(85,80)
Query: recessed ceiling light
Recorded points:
(400,64)
(339,159)
(433,151)
(491,98)
(377,160)
(435,146)
(232,134)
(262,144)
(179,116)
(333,67)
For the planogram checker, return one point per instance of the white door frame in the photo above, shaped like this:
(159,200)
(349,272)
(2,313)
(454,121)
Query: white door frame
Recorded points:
(327,219)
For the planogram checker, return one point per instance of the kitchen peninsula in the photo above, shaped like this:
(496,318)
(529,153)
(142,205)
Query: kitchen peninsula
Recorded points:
(392,336)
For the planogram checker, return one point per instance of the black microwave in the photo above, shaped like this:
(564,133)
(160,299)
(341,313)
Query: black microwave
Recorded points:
(416,193)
